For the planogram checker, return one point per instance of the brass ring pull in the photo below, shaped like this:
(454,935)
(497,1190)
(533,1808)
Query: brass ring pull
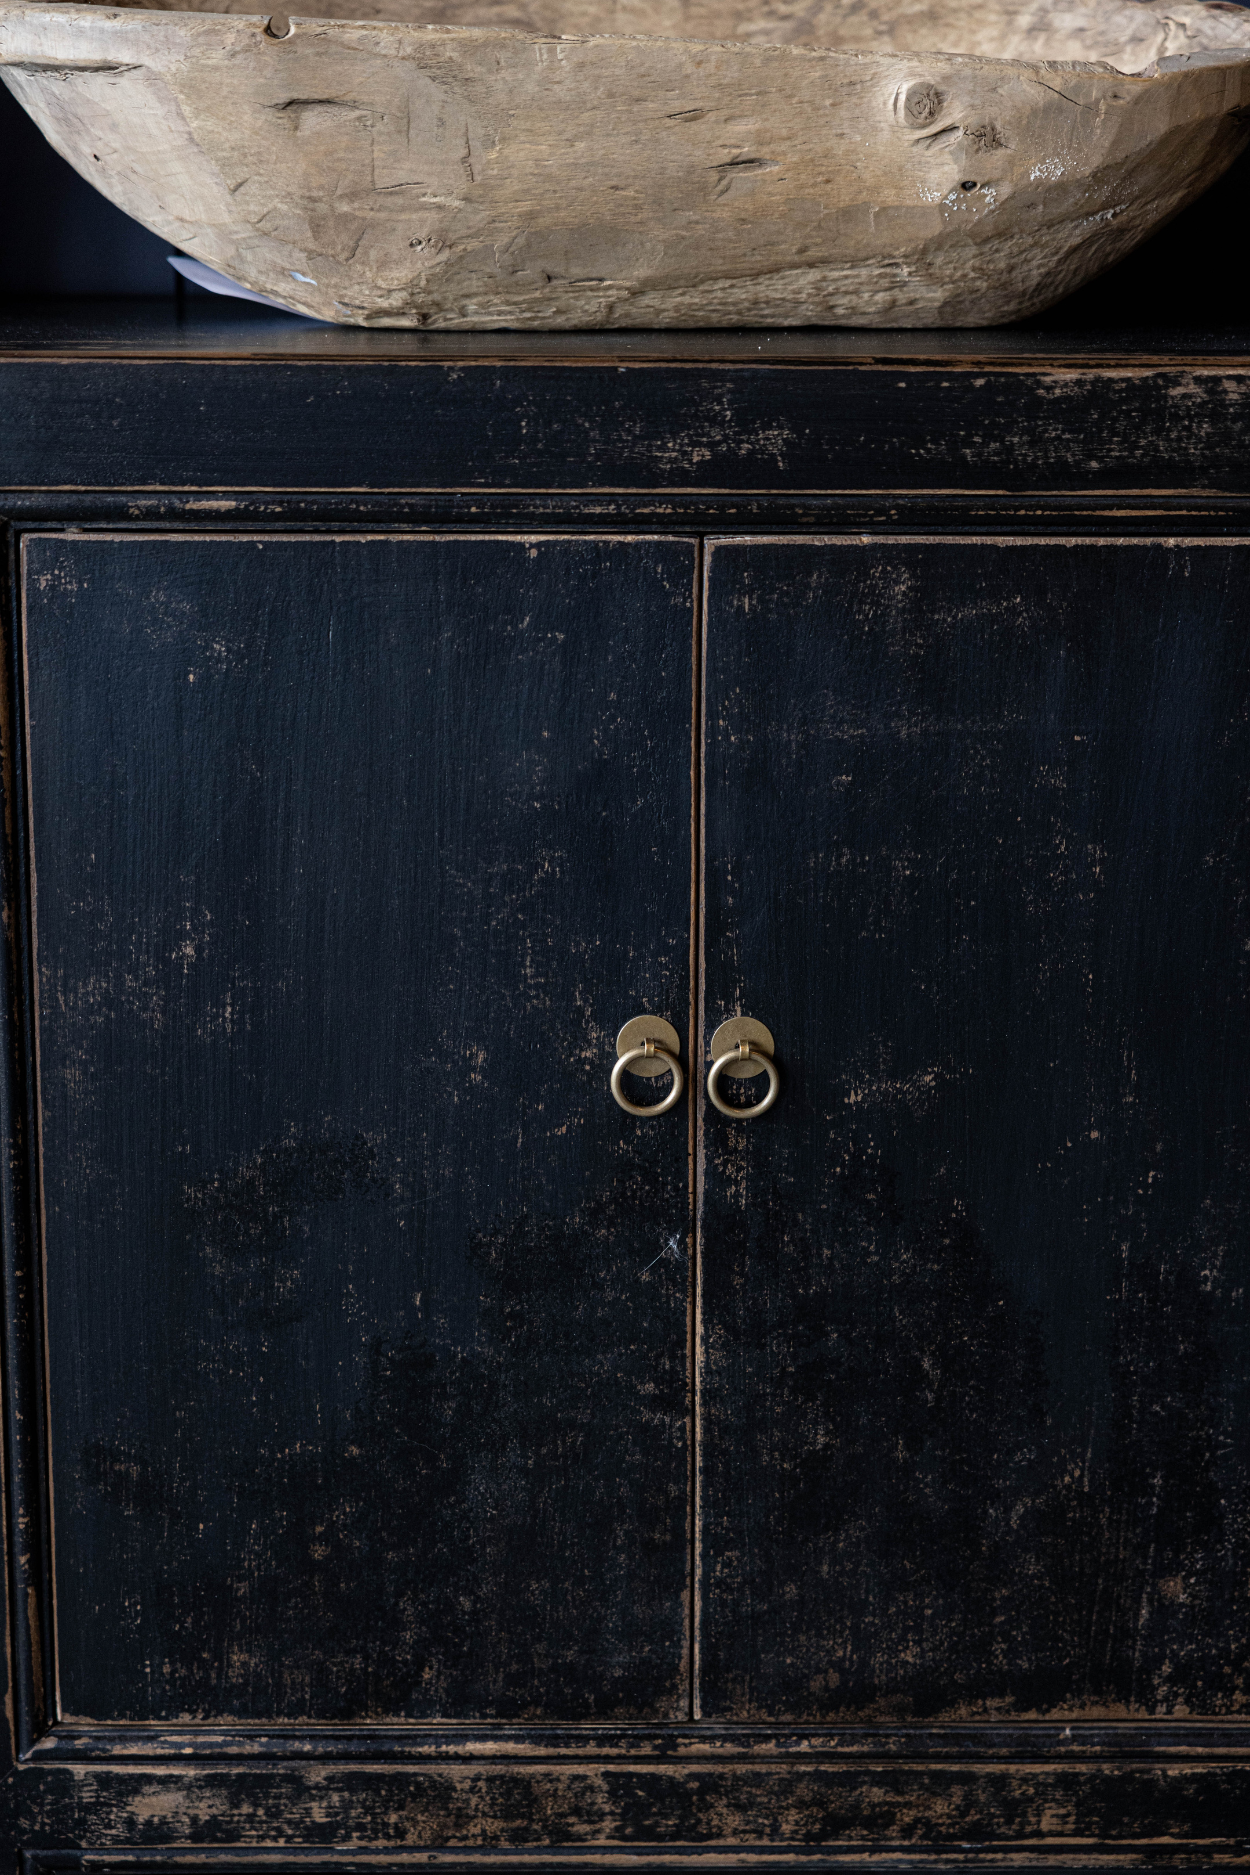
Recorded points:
(742,1047)
(647,1046)
(648,1051)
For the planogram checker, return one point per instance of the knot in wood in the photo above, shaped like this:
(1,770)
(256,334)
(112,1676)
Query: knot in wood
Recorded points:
(920,103)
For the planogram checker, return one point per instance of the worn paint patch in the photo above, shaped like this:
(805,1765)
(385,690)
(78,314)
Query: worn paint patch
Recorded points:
(975,1413)
(368,1356)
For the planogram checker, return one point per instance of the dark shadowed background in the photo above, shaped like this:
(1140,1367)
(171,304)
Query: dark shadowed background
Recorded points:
(61,237)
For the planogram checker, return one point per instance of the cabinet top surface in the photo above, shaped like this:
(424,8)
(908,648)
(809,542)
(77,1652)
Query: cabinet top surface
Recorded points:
(203,329)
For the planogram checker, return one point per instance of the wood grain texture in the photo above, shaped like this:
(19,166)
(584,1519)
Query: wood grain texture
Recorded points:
(831,167)
(643,1815)
(974,1429)
(351,856)
(385,428)
(202,430)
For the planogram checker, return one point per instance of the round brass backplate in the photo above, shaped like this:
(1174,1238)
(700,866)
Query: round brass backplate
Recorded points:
(740,1029)
(640,1029)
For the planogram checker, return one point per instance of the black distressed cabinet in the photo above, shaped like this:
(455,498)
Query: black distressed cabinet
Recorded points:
(411,1458)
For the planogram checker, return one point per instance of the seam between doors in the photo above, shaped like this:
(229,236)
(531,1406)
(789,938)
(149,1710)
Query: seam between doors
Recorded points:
(697,1118)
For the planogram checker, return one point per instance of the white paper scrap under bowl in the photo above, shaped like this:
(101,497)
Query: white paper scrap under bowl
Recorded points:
(214,282)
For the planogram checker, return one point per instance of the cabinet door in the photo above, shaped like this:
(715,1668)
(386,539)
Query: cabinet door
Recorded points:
(366,1306)
(975,1384)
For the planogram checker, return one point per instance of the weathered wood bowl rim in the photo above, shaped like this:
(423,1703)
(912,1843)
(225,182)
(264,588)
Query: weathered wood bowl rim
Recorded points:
(556,164)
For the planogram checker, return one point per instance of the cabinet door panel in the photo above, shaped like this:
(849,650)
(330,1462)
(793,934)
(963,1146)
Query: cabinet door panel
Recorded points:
(975,1381)
(350,856)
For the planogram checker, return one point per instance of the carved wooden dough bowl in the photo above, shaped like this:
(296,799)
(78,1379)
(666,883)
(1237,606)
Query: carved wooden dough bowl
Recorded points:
(566,163)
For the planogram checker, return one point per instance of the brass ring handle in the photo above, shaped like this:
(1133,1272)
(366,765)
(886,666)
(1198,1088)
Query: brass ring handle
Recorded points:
(743,1052)
(650,1050)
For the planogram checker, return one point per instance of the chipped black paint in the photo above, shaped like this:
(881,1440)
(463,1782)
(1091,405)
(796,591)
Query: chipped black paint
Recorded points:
(410,425)
(249,1226)
(901,1340)
(351,858)
(421,1559)
(976,1417)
